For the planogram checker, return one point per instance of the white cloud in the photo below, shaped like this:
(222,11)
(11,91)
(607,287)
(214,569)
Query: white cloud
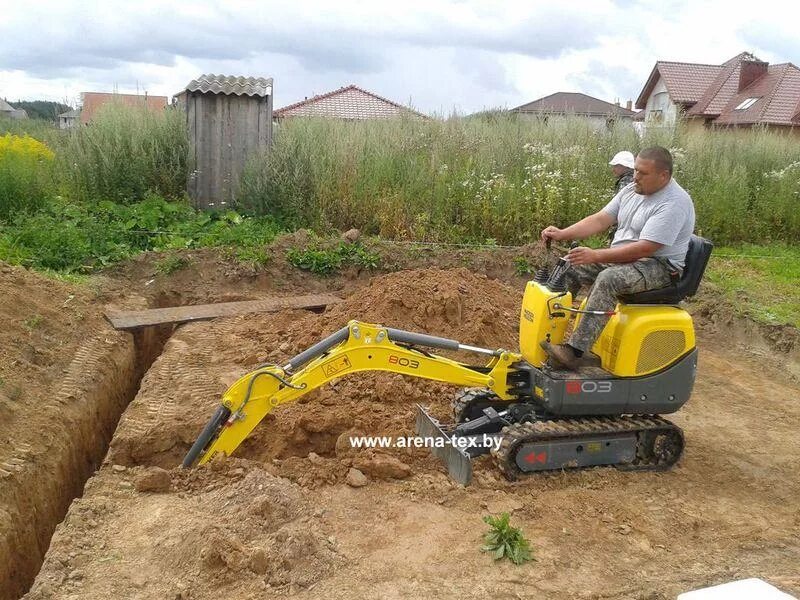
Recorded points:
(470,54)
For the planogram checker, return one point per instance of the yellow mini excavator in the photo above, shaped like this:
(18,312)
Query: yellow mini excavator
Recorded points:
(529,416)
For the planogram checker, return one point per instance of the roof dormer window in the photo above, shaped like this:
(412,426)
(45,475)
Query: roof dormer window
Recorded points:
(747,104)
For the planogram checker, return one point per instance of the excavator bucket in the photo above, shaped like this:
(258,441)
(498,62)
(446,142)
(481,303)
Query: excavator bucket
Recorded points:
(458,462)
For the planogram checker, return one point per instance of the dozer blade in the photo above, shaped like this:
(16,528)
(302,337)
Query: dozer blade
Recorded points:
(459,465)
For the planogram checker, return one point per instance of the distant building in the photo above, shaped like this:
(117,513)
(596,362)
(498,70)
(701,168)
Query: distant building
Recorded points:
(350,103)
(6,110)
(599,112)
(92,101)
(69,119)
(742,92)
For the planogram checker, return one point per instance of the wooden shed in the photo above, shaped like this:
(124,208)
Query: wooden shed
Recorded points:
(229,120)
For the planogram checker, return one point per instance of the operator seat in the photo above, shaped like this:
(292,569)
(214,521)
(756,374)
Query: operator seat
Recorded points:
(696,260)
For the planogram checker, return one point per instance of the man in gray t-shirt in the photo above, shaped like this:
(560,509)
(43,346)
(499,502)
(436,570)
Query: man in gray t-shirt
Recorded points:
(655,219)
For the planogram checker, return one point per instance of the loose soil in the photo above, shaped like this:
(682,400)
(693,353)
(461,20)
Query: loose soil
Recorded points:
(65,377)
(279,518)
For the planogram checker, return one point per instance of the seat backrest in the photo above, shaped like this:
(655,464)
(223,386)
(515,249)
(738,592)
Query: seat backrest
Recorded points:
(695,265)
(696,261)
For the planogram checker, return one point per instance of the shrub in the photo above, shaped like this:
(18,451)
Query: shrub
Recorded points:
(25,174)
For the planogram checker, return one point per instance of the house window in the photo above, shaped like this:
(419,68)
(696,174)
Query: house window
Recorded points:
(747,104)
(656,116)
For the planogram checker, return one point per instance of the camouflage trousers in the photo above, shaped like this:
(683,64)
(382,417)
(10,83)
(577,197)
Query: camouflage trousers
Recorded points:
(609,281)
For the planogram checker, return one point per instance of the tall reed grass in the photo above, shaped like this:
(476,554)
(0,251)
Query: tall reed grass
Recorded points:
(124,153)
(504,178)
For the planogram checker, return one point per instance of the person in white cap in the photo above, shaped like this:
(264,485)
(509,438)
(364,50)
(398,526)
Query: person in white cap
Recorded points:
(622,167)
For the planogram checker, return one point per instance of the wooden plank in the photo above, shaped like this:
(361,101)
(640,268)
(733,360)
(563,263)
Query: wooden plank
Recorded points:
(135,319)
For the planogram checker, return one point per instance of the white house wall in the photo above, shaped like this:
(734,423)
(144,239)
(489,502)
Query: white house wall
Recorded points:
(659,99)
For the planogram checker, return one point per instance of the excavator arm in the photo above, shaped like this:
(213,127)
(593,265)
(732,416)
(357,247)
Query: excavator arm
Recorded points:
(356,347)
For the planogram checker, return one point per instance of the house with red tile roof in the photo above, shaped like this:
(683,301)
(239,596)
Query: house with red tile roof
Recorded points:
(350,103)
(743,91)
(92,101)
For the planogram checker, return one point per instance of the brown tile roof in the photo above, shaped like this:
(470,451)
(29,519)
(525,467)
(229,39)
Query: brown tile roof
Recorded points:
(573,103)
(686,82)
(719,90)
(350,102)
(92,101)
(778,103)
(712,91)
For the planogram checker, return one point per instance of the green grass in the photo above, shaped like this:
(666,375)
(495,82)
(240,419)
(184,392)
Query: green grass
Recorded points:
(72,237)
(125,154)
(505,178)
(33,322)
(505,541)
(256,257)
(170,264)
(760,282)
(326,261)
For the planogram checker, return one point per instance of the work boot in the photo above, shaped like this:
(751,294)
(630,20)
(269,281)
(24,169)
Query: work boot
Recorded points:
(561,355)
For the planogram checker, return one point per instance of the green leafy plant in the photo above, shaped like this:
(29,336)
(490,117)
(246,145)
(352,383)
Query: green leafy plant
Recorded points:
(523,267)
(67,236)
(503,540)
(320,262)
(327,261)
(172,263)
(255,257)
(356,254)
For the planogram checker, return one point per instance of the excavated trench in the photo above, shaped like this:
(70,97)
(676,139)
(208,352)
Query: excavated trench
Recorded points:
(40,483)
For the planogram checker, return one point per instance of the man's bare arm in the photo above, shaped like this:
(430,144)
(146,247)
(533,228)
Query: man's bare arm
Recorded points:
(625,253)
(596,223)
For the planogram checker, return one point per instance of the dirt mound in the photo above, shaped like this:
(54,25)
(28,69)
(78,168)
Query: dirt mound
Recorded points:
(180,390)
(228,526)
(452,303)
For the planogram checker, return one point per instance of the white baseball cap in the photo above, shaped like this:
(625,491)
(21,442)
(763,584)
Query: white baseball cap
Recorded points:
(623,158)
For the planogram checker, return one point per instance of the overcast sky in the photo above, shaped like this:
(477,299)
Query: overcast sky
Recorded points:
(436,55)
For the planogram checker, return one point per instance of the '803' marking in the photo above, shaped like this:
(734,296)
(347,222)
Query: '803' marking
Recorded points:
(588,387)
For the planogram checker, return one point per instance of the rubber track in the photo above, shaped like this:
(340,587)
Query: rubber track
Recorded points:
(646,427)
(467,396)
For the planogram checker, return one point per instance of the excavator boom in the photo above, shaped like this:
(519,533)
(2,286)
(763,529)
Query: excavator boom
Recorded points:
(356,347)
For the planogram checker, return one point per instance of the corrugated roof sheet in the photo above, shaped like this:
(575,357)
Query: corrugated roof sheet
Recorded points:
(5,106)
(231,85)
(573,103)
(350,102)
(71,113)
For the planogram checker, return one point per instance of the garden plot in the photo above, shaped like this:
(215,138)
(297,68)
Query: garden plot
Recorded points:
(280,519)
